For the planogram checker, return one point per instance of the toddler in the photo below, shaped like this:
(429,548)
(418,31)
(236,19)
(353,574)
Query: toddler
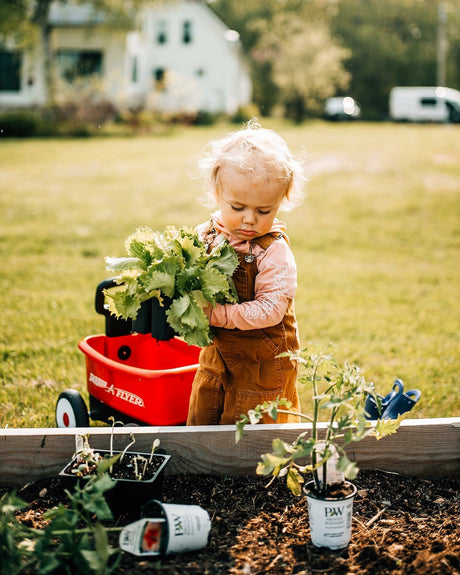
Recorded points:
(251,175)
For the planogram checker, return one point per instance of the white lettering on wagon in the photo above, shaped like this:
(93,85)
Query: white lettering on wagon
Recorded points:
(116,391)
(97,380)
(129,397)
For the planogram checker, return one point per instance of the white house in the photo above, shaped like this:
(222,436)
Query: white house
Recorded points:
(178,57)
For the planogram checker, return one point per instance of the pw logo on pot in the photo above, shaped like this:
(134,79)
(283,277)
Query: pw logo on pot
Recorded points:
(333,511)
(178,527)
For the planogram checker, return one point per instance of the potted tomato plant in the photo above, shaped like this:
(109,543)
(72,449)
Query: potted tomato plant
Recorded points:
(339,395)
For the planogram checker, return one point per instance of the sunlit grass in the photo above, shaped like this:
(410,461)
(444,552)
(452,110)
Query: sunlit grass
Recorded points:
(376,243)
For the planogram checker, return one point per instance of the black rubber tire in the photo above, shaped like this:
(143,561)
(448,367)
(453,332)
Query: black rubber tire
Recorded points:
(71,410)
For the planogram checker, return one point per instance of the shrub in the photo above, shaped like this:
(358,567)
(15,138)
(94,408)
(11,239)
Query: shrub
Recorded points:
(204,118)
(244,114)
(20,125)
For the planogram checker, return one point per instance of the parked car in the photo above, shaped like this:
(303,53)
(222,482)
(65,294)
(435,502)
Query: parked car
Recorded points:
(340,109)
(424,104)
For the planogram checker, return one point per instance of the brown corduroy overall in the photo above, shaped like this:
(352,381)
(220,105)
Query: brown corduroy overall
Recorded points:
(239,369)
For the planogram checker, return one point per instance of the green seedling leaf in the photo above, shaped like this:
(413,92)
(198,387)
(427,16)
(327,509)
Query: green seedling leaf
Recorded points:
(280,447)
(385,427)
(98,559)
(294,481)
(303,448)
(271,462)
(61,518)
(10,503)
(347,467)
(105,463)
(240,424)
(254,416)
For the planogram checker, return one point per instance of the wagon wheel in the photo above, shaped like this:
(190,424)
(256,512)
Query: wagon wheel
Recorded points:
(71,410)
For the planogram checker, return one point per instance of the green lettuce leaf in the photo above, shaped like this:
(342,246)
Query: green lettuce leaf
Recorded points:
(186,316)
(224,259)
(122,303)
(159,280)
(214,284)
(120,264)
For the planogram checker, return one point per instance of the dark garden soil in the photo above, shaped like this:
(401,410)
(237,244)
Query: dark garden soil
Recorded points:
(400,525)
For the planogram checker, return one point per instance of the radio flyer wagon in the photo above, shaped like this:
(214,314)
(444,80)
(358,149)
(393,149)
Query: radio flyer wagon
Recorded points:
(138,372)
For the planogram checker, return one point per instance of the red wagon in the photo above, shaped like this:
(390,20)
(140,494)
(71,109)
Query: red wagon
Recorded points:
(141,378)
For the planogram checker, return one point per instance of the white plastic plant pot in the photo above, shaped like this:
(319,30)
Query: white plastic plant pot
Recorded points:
(171,528)
(330,519)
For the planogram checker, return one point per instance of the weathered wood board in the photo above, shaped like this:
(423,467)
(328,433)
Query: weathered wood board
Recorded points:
(421,447)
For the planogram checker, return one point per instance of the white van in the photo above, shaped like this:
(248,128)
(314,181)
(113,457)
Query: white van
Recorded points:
(342,109)
(424,104)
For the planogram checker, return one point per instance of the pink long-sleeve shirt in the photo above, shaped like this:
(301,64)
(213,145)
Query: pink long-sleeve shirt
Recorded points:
(275,285)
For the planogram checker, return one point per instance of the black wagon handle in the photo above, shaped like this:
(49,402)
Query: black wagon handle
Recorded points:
(114,327)
(100,298)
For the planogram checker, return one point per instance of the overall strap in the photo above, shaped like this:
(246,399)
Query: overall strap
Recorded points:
(265,241)
(245,274)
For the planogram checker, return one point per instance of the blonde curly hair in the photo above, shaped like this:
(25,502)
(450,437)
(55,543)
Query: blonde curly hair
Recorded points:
(257,152)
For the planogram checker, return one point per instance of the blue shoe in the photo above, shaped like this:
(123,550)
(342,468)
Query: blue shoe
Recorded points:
(402,403)
(371,407)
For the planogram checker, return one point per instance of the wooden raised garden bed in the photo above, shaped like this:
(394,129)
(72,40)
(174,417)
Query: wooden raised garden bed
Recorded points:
(427,448)
(405,518)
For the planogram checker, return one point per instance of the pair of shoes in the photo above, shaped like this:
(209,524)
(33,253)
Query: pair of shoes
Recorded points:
(394,404)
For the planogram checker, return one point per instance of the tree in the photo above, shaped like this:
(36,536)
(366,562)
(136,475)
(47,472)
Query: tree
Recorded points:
(394,43)
(14,23)
(293,59)
(307,65)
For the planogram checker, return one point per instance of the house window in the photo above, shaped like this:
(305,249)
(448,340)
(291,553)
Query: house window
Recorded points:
(74,64)
(134,71)
(160,79)
(187,32)
(10,71)
(162,32)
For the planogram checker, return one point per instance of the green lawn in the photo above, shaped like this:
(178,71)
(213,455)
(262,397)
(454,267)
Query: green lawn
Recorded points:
(376,241)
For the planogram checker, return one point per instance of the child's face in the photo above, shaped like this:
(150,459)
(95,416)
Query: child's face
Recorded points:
(248,205)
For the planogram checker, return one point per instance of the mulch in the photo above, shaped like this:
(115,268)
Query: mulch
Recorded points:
(400,525)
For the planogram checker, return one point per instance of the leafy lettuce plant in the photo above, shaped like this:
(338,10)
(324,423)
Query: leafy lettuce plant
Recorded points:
(338,396)
(16,540)
(173,264)
(74,539)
